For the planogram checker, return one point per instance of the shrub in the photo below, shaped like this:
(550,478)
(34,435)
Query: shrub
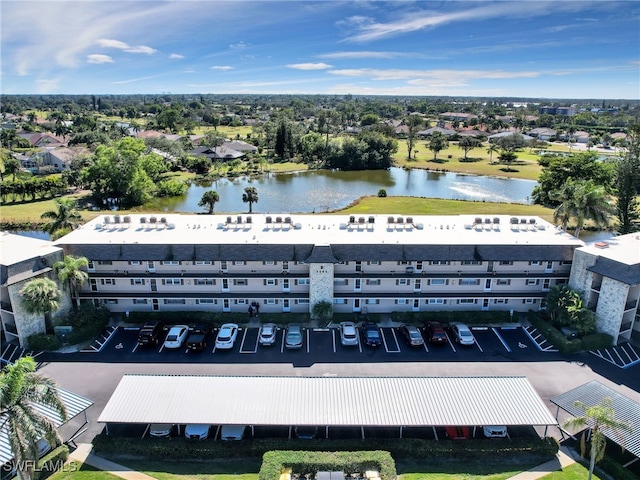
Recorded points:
(382,193)
(44,342)
(555,336)
(51,462)
(596,341)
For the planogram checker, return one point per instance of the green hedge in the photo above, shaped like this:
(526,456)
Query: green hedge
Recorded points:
(469,317)
(44,342)
(179,447)
(51,462)
(616,470)
(310,462)
(554,336)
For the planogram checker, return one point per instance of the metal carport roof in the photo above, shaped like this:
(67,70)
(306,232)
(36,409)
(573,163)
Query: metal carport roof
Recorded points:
(326,401)
(625,409)
(74,403)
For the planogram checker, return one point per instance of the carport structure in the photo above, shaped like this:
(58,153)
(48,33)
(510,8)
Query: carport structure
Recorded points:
(75,405)
(625,409)
(326,401)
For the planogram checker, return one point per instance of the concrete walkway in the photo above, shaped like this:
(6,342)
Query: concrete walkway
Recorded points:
(563,459)
(83,454)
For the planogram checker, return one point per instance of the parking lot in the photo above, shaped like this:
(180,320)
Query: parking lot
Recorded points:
(322,345)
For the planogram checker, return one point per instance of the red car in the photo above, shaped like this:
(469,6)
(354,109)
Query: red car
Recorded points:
(436,333)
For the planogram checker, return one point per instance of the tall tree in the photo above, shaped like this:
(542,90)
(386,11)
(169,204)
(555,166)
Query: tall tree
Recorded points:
(65,216)
(468,143)
(414,123)
(250,196)
(40,297)
(21,389)
(437,143)
(597,419)
(71,273)
(628,184)
(209,200)
(11,167)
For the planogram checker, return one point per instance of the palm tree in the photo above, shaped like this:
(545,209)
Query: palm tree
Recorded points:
(20,390)
(597,418)
(65,216)
(492,148)
(322,310)
(40,296)
(250,196)
(71,274)
(209,199)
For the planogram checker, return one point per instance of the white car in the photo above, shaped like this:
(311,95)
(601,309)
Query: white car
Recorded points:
(495,431)
(226,336)
(197,431)
(348,334)
(176,336)
(232,432)
(462,334)
(268,334)
(160,430)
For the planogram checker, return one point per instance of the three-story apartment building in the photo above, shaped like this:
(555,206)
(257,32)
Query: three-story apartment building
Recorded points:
(288,263)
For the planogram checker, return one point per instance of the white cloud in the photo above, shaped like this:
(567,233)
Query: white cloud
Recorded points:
(310,66)
(222,68)
(430,76)
(125,47)
(98,58)
(238,46)
(176,56)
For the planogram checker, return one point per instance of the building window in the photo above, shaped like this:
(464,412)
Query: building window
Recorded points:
(139,301)
(341,281)
(91,266)
(372,301)
(436,301)
(561,281)
(439,262)
(501,300)
(203,262)
(529,300)
(505,262)
(302,281)
(566,262)
(268,262)
(404,263)
(170,262)
(174,301)
(107,281)
(470,262)
(240,301)
(240,281)
(535,263)
(111,301)
(402,281)
(137,281)
(339,301)
(503,281)
(469,281)
(437,281)
(401,301)
(239,262)
(373,281)
(533,281)
(302,301)
(373,263)
(172,281)
(105,262)
(270,281)
(467,301)
(206,301)
(204,281)
(134,262)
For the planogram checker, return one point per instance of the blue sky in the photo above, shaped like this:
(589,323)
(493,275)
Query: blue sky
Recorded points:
(558,49)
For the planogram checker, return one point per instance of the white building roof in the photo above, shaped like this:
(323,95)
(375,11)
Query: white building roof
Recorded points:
(256,229)
(17,248)
(326,401)
(623,249)
(74,403)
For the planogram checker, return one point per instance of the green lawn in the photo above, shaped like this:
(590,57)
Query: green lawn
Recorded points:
(572,472)
(232,469)
(80,471)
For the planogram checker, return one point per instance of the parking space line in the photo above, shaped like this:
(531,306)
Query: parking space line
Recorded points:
(424,344)
(284,334)
(308,337)
(626,353)
(395,338)
(502,340)
(615,350)
(333,339)
(135,348)
(244,337)
(450,342)
(475,340)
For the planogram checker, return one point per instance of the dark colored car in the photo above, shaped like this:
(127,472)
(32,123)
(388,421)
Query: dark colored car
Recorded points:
(371,334)
(150,334)
(412,335)
(198,337)
(436,334)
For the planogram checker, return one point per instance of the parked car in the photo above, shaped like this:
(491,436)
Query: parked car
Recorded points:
(176,336)
(436,334)
(199,336)
(305,432)
(293,338)
(160,430)
(371,334)
(462,334)
(232,432)
(196,431)
(458,432)
(226,336)
(348,334)
(412,335)
(495,431)
(150,334)
(268,334)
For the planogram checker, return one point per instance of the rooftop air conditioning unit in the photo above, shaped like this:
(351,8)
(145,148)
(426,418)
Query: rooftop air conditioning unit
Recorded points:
(267,220)
(116,219)
(278,219)
(229,220)
(372,219)
(352,219)
(400,220)
(287,219)
(239,219)
(391,220)
(153,219)
(361,220)
(410,220)
(249,220)
(143,219)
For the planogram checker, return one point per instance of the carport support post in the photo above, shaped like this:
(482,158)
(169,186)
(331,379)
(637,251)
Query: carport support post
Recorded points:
(362,431)
(106,428)
(289,432)
(435,433)
(401,427)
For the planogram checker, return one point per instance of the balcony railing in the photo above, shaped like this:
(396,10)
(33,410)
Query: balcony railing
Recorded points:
(6,307)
